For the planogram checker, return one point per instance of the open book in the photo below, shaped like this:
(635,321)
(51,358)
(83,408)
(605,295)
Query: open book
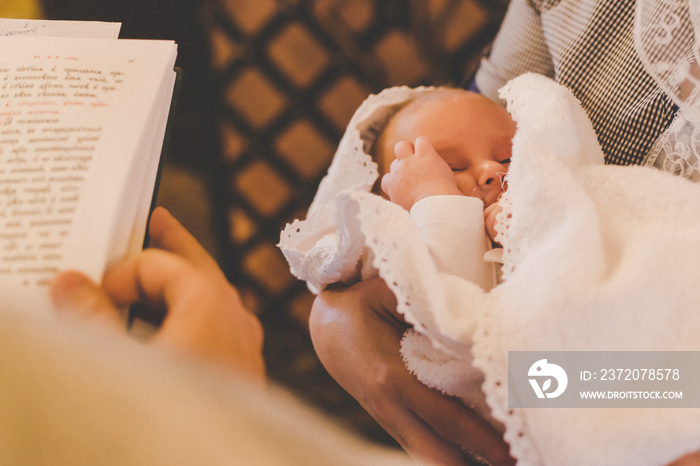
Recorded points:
(82,123)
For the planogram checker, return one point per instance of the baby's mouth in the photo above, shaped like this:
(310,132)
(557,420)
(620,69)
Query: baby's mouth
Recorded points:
(489,193)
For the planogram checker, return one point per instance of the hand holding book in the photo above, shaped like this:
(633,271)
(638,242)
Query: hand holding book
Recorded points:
(205,317)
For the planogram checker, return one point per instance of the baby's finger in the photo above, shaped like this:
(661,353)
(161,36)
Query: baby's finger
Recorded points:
(387,183)
(423,147)
(394,167)
(490,214)
(403,149)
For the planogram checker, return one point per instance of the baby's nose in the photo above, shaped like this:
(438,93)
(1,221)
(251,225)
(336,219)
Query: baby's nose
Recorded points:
(490,181)
(489,172)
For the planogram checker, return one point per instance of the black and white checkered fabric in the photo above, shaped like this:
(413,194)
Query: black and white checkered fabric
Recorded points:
(588,46)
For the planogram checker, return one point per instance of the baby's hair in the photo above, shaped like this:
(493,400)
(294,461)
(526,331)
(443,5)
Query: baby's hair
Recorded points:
(373,133)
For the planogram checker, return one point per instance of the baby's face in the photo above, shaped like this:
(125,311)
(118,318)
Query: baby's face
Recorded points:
(472,134)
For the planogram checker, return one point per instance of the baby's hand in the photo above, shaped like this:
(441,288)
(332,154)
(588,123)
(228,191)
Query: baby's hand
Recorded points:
(490,219)
(417,173)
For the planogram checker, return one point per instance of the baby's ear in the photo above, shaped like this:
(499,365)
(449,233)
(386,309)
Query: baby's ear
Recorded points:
(550,114)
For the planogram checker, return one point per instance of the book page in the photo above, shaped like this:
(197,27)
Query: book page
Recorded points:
(130,243)
(129,236)
(72,120)
(38,27)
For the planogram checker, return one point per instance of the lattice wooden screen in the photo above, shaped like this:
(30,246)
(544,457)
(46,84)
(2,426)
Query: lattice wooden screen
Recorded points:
(288,75)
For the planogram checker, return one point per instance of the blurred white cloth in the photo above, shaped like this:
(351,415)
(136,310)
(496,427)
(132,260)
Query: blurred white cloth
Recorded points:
(80,396)
(596,257)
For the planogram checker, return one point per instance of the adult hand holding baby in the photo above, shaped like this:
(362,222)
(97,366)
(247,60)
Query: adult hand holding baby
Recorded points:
(356,333)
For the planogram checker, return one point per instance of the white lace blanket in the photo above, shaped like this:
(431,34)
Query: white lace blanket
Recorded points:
(596,258)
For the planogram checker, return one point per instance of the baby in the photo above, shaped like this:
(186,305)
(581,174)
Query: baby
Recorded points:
(462,146)
(444,153)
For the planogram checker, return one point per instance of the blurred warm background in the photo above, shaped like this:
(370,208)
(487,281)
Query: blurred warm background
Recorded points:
(269,86)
